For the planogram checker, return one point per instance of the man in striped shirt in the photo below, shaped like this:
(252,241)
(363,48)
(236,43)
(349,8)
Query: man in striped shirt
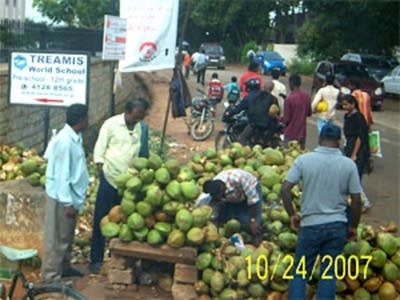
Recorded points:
(237,194)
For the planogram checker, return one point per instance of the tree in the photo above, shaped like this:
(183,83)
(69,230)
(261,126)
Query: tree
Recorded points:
(88,13)
(334,27)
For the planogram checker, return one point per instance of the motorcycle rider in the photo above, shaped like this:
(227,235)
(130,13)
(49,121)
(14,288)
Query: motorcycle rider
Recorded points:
(262,120)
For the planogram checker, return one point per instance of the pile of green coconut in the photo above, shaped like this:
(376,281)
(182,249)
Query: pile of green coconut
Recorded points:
(158,208)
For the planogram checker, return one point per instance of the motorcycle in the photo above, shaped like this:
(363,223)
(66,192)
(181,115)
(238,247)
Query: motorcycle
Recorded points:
(234,126)
(201,122)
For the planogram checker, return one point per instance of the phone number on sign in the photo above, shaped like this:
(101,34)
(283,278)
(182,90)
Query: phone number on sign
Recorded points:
(339,267)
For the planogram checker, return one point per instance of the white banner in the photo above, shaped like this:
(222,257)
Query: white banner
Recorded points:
(151,34)
(48,79)
(114,38)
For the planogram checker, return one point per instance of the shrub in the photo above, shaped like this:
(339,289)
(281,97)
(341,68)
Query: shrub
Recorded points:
(302,66)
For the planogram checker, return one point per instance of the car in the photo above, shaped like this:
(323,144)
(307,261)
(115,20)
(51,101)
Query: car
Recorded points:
(378,66)
(391,82)
(343,72)
(215,55)
(272,60)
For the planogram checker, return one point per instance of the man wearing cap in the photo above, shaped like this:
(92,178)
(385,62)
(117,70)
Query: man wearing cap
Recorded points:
(237,194)
(328,179)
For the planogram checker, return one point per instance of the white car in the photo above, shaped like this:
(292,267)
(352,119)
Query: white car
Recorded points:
(391,82)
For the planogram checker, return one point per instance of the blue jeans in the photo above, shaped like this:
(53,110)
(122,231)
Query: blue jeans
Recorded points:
(324,240)
(240,210)
(107,197)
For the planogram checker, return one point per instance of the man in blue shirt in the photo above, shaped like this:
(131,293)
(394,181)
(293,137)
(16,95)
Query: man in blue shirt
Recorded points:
(67,180)
(328,179)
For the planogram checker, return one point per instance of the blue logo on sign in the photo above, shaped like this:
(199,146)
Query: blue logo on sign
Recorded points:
(20,62)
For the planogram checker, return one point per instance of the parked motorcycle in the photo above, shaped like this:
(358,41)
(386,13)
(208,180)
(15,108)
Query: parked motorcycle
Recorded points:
(201,123)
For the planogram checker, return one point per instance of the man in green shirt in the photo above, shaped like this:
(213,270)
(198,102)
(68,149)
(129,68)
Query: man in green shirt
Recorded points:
(121,138)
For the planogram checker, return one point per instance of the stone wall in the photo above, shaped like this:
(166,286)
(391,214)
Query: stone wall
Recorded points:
(25,124)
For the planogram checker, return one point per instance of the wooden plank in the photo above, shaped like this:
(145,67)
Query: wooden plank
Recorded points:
(184,292)
(185,255)
(185,274)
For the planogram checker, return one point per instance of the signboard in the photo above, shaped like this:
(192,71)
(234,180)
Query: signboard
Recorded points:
(151,34)
(114,38)
(48,79)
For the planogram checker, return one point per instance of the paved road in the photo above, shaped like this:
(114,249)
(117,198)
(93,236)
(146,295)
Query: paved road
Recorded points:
(383,185)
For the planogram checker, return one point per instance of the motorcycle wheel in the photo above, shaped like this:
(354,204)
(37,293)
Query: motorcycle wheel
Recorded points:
(222,141)
(201,132)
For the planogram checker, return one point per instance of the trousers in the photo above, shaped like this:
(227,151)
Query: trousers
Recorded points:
(58,240)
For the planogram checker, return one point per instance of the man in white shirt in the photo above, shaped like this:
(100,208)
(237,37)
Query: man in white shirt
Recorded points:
(329,93)
(279,89)
(201,66)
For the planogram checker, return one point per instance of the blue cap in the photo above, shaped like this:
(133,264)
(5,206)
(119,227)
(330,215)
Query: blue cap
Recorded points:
(330,131)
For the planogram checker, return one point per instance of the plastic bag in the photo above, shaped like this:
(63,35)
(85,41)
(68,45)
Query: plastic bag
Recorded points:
(375,143)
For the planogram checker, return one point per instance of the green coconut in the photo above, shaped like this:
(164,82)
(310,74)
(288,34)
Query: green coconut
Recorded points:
(155,161)
(162,176)
(127,207)
(273,157)
(154,195)
(242,278)
(163,228)
(256,290)
(396,258)
(140,163)
(361,294)
(231,227)
(211,233)
(390,271)
(147,176)
(135,221)
(125,234)
(134,184)
(387,243)
(378,258)
(203,261)
(173,167)
(200,217)
(154,237)
(201,287)
(171,208)
(365,248)
(144,208)
(387,291)
(195,236)
(141,234)
(217,282)
(190,190)
(207,274)
(174,190)
(185,174)
(176,238)
(228,294)
(184,219)
(288,240)
(110,230)
(210,153)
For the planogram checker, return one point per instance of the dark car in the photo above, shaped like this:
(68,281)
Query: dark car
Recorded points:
(377,66)
(343,72)
(215,54)
(272,60)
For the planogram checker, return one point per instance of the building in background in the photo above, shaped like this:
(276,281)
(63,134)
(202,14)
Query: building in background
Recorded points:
(12,10)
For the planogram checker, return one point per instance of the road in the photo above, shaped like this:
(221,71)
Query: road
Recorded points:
(383,185)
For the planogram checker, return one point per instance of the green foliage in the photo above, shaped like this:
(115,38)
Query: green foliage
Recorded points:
(360,26)
(250,45)
(88,13)
(302,66)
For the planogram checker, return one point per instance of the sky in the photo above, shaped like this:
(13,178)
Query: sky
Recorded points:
(32,13)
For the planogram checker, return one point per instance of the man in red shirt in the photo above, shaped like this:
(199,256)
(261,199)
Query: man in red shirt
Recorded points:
(253,72)
(297,107)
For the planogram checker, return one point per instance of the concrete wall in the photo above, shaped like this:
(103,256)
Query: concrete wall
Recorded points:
(25,124)
(288,51)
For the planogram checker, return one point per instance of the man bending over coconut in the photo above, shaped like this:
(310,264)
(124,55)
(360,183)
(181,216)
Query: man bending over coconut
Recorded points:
(236,194)
(324,226)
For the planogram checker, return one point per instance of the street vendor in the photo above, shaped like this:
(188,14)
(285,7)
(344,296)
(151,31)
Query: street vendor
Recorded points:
(236,194)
